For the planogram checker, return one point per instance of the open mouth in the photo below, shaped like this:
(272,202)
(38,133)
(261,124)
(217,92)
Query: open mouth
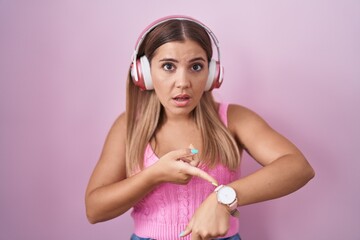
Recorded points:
(181,99)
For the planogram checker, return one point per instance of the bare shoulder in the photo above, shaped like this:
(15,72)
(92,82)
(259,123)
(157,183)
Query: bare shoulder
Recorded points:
(120,122)
(247,126)
(113,153)
(117,131)
(115,141)
(241,118)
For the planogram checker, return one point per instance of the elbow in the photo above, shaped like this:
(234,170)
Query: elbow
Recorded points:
(311,173)
(91,213)
(91,216)
(308,172)
(96,213)
(91,220)
(302,172)
(94,217)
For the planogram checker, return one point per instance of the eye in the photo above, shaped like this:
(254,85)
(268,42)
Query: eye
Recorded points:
(197,67)
(168,66)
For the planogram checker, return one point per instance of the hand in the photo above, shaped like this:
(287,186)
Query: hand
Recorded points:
(210,220)
(179,167)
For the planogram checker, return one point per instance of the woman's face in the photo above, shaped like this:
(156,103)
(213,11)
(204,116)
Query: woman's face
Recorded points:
(179,72)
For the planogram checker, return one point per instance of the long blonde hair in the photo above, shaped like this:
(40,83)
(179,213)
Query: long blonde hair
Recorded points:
(144,111)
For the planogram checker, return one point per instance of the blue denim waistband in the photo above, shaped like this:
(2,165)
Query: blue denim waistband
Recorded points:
(235,237)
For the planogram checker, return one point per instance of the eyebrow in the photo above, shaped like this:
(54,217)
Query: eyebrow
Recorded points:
(176,61)
(168,60)
(198,59)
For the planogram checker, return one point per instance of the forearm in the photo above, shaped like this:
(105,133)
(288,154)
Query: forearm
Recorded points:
(283,176)
(113,200)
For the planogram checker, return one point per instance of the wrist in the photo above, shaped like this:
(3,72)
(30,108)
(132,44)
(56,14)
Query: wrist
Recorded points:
(227,197)
(154,175)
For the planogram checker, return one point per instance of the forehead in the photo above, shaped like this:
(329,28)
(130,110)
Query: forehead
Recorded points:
(180,49)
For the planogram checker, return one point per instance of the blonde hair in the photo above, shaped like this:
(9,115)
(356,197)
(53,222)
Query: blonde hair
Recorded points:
(144,111)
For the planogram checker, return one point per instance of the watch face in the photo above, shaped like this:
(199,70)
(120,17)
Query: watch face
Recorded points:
(226,195)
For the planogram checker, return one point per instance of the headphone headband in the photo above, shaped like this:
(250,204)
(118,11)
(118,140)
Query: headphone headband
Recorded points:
(174,17)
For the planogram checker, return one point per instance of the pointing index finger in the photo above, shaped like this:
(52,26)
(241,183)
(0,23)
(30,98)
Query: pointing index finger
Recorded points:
(194,171)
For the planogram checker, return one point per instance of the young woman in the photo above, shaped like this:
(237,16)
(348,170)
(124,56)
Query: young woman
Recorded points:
(174,155)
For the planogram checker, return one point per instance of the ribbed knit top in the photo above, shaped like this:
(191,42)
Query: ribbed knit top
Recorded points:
(165,212)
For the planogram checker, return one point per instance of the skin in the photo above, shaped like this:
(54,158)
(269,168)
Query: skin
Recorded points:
(182,68)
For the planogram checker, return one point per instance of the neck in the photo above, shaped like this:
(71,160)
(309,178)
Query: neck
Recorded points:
(178,119)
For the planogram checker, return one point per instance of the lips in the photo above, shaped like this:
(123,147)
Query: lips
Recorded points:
(182,97)
(181,100)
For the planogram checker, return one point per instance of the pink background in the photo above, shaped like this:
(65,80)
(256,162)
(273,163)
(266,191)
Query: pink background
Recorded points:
(62,83)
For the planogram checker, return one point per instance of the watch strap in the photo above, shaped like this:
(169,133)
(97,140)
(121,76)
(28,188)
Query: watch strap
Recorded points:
(235,213)
(233,205)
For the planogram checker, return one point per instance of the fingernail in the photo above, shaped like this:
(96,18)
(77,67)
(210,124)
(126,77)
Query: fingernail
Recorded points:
(194,151)
(181,234)
(215,184)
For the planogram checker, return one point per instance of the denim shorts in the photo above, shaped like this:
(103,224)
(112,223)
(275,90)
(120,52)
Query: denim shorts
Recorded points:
(235,237)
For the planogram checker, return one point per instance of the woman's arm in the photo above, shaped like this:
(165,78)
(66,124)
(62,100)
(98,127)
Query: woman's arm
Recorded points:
(284,170)
(110,194)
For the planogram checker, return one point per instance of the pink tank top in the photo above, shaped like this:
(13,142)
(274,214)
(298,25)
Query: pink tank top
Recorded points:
(165,212)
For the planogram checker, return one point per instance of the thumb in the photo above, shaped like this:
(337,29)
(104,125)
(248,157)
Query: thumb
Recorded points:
(194,171)
(186,231)
(195,158)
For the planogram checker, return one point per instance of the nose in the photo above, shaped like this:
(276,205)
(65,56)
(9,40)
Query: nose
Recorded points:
(182,79)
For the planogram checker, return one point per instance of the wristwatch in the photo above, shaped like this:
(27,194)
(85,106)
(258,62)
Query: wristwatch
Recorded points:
(227,196)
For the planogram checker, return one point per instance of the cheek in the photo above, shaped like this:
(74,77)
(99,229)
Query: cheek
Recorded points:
(202,79)
(158,77)
(161,86)
(200,83)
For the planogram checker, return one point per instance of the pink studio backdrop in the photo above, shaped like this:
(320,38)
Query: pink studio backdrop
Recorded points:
(62,83)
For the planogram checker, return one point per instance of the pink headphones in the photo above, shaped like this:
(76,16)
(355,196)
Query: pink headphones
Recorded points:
(140,67)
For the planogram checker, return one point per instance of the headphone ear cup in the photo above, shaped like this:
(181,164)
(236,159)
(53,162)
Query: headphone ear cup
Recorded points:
(215,75)
(141,73)
(146,73)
